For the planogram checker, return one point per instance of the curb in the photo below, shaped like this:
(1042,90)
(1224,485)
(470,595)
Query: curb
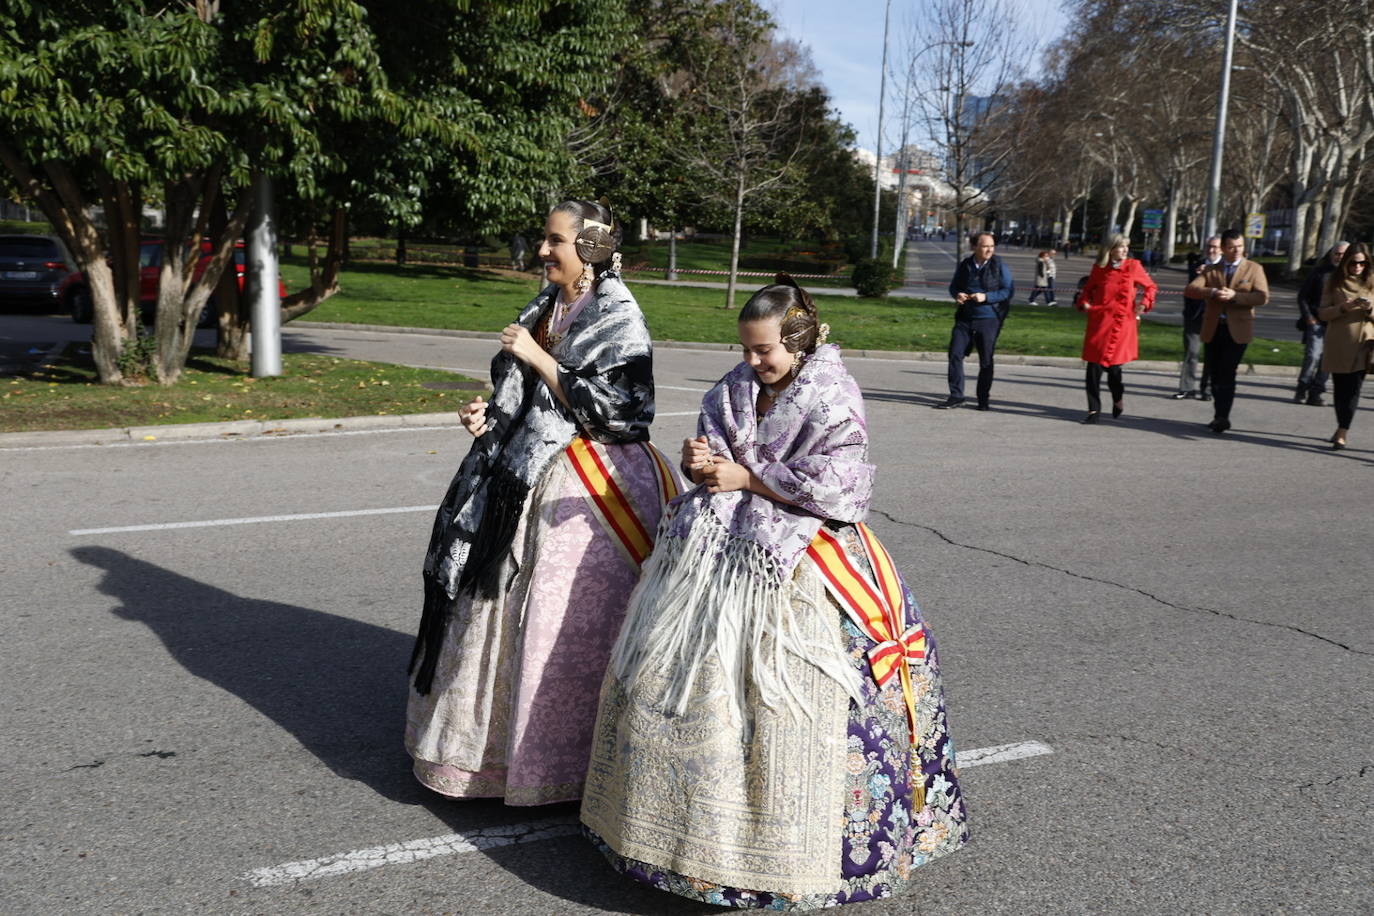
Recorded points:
(232,429)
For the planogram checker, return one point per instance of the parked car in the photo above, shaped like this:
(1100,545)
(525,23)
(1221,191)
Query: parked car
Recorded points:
(33,268)
(75,294)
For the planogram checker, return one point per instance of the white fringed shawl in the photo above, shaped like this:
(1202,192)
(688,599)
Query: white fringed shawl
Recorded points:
(720,584)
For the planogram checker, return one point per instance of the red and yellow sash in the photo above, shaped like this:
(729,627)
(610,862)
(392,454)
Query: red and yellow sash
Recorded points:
(879,610)
(609,498)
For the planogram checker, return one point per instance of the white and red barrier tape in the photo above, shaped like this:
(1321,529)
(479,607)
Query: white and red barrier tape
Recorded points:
(738,273)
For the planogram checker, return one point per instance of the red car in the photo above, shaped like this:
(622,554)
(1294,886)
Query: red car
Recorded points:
(75,294)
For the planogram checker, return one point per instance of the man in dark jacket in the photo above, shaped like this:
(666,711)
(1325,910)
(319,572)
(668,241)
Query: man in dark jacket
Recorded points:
(1188,385)
(1311,378)
(982,289)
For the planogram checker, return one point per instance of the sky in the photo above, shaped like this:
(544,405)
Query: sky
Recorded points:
(846,41)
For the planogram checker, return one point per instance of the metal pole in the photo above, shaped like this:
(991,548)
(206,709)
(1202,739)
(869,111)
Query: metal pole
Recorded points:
(878,147)
(1219,136)
(261,279)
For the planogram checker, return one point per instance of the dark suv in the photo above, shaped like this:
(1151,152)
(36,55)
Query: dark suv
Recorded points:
(33,268)
(76,295)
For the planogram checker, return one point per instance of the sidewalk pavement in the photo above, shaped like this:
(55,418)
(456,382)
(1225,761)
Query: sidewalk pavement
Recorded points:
(241,429)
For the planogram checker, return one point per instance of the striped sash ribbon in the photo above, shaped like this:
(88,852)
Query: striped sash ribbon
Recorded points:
(609,497)
(877,608)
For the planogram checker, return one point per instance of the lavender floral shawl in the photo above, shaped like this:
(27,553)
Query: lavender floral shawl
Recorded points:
(811,448)
(717,587)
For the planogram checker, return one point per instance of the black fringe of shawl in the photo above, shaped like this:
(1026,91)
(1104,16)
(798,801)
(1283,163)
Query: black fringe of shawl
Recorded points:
(481,574)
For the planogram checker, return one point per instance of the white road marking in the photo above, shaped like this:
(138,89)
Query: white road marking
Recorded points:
(210,440)
(681,388)
(513,834)
(1001,753)
(217,522)
(414,851)
(677,413)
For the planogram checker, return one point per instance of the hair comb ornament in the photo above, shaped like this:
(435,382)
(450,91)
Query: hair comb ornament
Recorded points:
(595,242)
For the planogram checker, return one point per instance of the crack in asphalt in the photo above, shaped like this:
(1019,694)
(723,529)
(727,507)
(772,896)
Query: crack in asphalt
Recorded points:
(86,766)
(1367,768)
(1129,588)
(1192,753)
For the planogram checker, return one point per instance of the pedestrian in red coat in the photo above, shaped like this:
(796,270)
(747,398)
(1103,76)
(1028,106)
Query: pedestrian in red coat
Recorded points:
(1109,298)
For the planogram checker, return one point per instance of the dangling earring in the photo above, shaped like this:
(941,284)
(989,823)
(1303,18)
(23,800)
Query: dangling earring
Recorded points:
(584,282)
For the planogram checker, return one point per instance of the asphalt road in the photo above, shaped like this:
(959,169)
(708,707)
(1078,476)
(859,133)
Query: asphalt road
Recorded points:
(1183,619)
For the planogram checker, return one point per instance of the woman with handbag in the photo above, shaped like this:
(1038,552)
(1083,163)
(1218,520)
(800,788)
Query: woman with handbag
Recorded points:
(1349,315)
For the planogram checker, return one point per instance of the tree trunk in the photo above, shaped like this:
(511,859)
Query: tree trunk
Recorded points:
(1314,220)
(181,295)
(734,242)
(1129,222)
(322,284)
(66,209)
(672,253)
(1110,224)
(231,313)
(1170,224)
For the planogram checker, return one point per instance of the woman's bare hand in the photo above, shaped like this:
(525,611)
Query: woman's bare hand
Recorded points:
(517,341)
(723,476)
(696,453)
(473,415)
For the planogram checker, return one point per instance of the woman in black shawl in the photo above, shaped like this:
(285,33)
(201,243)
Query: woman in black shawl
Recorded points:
(538,541)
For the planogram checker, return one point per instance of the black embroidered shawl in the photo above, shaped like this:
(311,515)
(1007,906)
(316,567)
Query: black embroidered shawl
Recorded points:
(606,370)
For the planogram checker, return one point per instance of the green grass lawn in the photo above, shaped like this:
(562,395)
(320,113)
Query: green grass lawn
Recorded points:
(65,393)
(475,300)
(756,255)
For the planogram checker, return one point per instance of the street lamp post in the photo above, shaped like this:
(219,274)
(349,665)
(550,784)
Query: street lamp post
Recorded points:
(878,146)
(1219,135)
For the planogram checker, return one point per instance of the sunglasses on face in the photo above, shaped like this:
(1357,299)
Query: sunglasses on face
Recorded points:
(1358,263)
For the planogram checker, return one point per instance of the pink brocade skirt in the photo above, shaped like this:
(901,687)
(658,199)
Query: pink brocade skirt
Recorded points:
(515,693)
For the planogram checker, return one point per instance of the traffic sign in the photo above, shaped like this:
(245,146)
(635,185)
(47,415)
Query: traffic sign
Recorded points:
(1152,219)
(1254,225)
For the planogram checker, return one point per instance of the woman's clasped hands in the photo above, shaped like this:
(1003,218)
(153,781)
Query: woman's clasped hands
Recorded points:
(720,475)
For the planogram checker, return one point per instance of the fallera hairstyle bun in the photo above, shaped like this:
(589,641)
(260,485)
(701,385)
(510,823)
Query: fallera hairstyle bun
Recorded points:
(793,307)
(598,234)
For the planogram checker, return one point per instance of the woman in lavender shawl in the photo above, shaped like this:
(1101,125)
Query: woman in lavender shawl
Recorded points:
(745,753)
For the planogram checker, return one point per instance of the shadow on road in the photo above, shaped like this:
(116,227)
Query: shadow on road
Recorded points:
(338,686)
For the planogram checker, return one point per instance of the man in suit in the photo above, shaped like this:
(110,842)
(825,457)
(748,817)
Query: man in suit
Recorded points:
(1232,288)
(982,288)
(1311,378)
(1193,309)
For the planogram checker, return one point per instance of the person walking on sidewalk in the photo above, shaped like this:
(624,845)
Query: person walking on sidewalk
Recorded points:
(1044,278)
(1312,377)
(1109,299)
(982,289)
(1189,384)
(1346,308)
(1233,289)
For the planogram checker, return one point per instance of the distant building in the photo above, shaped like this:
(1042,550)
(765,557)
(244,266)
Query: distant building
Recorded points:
(927,194)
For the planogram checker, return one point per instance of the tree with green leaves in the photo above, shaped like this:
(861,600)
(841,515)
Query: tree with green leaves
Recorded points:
(460,107)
